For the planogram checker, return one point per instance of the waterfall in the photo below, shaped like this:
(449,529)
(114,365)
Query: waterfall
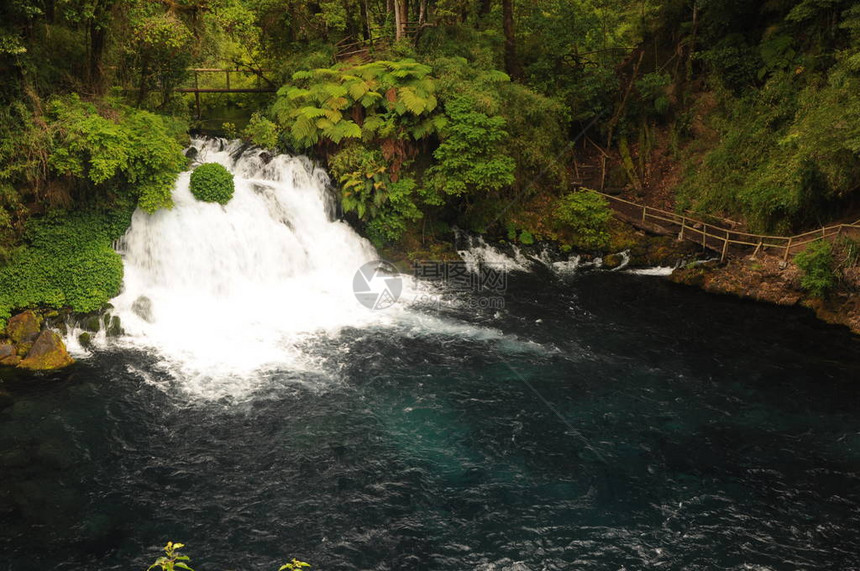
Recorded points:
(225,290)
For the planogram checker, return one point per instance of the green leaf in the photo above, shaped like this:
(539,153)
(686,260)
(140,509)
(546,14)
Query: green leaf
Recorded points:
(335,90)
(413,102)
(312,112)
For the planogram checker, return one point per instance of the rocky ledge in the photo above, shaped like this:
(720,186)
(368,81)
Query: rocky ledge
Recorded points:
(27,344)
(769,279)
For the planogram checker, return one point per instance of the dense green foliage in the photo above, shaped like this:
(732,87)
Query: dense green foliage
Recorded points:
(67,260)
(74,152)
(788,121)
(816,263)
(85,168)
(587,215)
(372,120)
(211,182)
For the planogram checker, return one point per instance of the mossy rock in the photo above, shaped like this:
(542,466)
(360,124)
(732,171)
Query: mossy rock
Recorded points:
(612,261)
(48,353)
(24,327)
(91,324)
(211,182)
(85,339)
(115,327)
(690,276)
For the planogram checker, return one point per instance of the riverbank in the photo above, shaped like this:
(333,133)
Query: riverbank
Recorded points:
(769,279)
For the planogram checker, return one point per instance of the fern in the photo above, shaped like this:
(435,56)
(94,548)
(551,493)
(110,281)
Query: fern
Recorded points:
(370,99)
(336,90)
(357,89)
(412,101)
(294,93)
(312,112)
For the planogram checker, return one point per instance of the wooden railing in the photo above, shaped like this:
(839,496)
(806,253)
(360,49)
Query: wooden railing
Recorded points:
(353,49)
(263,84)
(717,237)
(350,48)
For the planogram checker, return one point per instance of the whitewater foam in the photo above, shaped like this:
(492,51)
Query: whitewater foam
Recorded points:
(221,295)
(220,292)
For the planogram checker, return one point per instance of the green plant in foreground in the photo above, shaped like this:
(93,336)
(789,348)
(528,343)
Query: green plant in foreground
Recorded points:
(211,182)
(294,565)
(171,560)
(816,263)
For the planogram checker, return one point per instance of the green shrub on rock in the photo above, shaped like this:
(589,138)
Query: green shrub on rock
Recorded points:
(527,238)
(211,182)
(587,215)
(816,263)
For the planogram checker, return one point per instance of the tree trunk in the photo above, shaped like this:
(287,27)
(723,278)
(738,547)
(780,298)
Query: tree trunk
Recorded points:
(397,28)
(400,15)
(97,47)
(365,21)
(422,13)
(512,63)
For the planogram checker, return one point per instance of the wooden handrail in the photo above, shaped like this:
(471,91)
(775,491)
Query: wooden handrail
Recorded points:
(700,231)
(228,69)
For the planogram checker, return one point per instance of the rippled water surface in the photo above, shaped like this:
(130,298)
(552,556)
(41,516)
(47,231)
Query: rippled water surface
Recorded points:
(606,421)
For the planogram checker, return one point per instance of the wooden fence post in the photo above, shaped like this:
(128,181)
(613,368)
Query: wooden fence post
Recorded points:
(787,249)
(725,248)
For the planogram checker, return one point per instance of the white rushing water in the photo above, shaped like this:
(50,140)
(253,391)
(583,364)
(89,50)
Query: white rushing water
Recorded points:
(223,291)
(220,294)
(478,252)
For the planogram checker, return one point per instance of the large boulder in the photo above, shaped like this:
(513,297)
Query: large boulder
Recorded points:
(48,353)
(9,355)
(24,327)
(6,351)
(92,324)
